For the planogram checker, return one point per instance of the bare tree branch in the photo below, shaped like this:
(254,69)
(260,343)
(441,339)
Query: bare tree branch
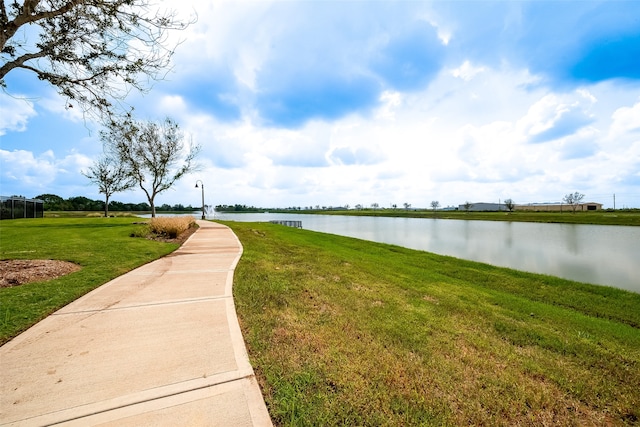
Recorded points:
(574,200)
(111,177)
(154,154)
(28,15)
(510,204)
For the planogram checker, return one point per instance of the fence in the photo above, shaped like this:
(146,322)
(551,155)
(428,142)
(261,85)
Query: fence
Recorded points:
(20,207)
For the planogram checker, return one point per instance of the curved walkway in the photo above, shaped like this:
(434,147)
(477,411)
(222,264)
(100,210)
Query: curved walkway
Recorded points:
(160,345)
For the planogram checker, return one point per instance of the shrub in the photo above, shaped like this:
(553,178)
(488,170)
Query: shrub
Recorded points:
(141,231)
(170,227)
(122,215)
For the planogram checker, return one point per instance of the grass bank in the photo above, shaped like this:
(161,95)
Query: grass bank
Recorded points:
(99,214)
(346,332)
(101,246)
(90,214)
(621,217)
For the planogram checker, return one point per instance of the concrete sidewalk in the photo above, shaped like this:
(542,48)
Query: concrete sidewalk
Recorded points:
(159,345)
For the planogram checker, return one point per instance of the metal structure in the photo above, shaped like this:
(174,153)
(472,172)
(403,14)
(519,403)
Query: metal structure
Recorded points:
(20,207)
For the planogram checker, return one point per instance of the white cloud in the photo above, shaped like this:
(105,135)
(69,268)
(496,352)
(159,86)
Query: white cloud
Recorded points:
(14,113)
(626,120)
(390,101)
(466,71)
(23,172)
(173,105)
(68,110)
(582,144)
(556,116)
(23,166)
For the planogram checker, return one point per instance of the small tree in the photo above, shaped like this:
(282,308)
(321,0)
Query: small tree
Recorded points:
(510,204)
(375,206)
(467,206)
(111,177)
(573,200)
(435,205)
(154,154)
(406,206)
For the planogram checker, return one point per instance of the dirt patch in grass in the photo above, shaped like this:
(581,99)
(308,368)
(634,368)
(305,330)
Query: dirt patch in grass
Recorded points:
(16,272)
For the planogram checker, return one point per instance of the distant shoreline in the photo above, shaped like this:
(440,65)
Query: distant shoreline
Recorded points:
(630,217)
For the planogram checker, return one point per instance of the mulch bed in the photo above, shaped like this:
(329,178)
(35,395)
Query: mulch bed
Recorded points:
(15,272)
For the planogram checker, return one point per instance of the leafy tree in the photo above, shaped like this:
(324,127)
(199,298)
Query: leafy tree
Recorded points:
(467,206)
(573,200)
(52,202)
(154,154)
(435,205)
(92,51)
(119,206)
(81,203)
(510,204)
(407,206)
(111,177)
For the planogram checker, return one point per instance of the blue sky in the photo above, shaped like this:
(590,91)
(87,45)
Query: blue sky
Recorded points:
(331,103)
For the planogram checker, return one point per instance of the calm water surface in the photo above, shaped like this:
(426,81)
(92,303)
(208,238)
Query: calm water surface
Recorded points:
(604,255)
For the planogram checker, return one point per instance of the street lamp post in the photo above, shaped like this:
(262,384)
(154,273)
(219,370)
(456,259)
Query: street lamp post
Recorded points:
(201,186)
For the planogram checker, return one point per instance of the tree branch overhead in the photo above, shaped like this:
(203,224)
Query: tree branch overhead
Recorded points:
(92,51)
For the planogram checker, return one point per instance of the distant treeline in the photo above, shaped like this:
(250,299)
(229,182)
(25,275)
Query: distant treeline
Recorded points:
(245,208)
(53,202)
(238,208)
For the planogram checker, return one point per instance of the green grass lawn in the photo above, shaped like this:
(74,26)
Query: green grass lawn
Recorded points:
(101,246)
(342,331)
(118,214)
(90,214)
(346,332)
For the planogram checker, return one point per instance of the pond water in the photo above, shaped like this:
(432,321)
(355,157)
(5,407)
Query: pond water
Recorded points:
(604,255)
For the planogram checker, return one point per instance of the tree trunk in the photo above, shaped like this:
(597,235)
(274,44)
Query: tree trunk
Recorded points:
(106,206)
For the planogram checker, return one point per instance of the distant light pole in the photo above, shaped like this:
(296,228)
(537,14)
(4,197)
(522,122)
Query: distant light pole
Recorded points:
(202,186)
